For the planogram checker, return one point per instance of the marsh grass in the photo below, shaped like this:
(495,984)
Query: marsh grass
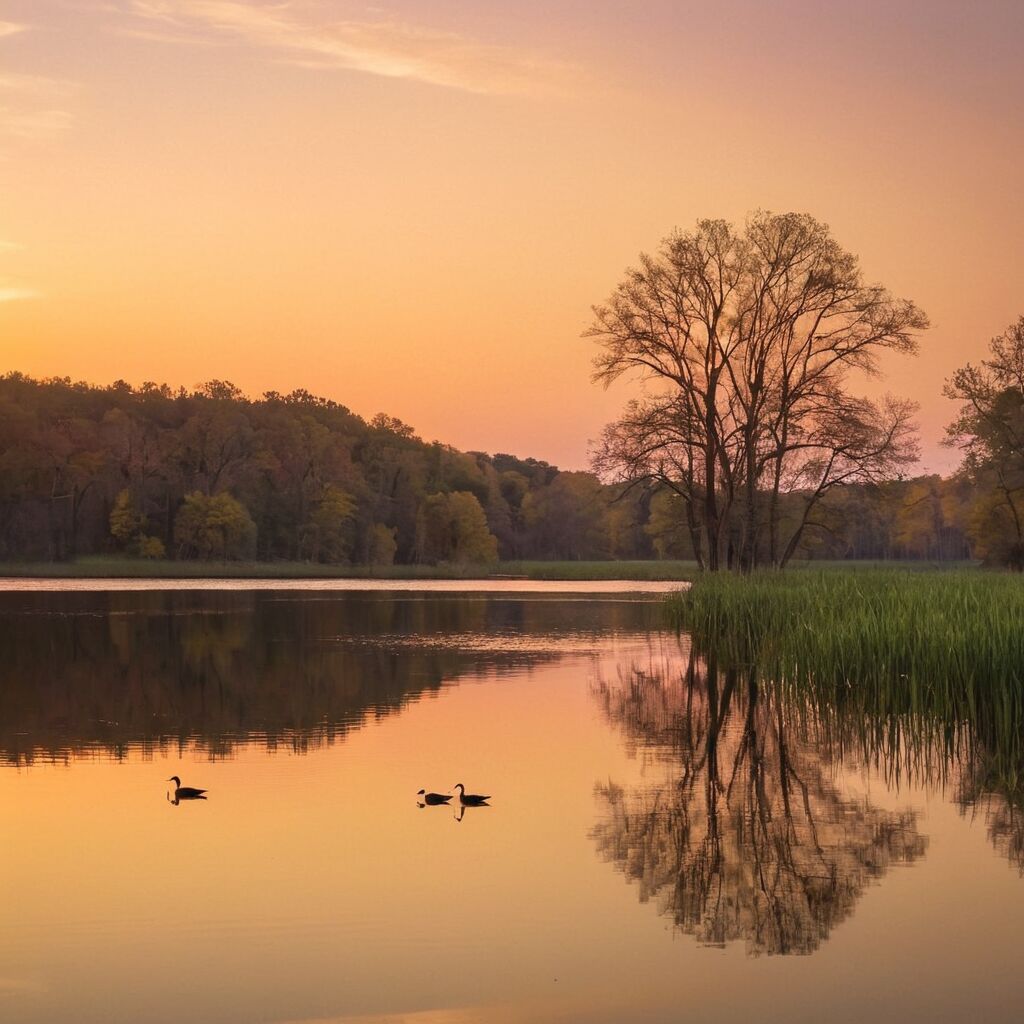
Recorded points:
(924,663)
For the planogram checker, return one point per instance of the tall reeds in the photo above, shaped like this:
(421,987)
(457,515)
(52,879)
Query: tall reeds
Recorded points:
(923,661)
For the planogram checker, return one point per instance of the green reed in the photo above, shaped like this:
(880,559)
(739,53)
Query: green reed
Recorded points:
(927,662)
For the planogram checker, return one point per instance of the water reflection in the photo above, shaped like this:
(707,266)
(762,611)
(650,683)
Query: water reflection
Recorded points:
(460,813)
(110,672)
(178,799)
(1003,816)
(747,836)
(315,893)
(976,759)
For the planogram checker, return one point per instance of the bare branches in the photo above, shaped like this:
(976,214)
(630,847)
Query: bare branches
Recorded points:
(748,337)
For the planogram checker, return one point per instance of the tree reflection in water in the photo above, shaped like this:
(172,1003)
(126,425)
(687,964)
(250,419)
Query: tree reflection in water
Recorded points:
(748,836)
(87,673)
(1003,816)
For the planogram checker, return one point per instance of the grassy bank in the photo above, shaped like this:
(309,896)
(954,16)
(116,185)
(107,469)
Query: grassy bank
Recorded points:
(124,568)
(929,657)
(929,629)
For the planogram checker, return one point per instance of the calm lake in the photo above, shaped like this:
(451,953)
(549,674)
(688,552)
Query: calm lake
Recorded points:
(665,841)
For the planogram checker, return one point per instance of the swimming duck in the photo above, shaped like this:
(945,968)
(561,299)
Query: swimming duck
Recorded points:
(434,798)
(185,792)
(470,799)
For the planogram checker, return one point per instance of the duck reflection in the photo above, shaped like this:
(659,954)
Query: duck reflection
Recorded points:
(177,799)
(460,813)
(747,835)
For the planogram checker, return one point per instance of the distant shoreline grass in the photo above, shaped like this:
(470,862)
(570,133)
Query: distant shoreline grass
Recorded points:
(125,568)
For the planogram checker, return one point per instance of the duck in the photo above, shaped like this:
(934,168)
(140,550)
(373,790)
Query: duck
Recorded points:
(185,792)
(433,799)
(470,799)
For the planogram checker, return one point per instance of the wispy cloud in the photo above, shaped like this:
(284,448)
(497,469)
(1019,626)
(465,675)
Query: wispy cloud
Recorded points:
(299,33)
(33,125)
(12,294)
(8,28)
(11,291)
(32,106)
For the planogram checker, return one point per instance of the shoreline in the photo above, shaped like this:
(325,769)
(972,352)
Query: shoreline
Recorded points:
(501,573)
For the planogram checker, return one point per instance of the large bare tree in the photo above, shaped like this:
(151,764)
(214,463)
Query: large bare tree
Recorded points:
(746,339)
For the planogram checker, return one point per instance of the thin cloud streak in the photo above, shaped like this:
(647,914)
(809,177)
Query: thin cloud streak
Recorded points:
(39,85)
(28,103)
(387,48)
(9,28)
(11,294)
(33,125)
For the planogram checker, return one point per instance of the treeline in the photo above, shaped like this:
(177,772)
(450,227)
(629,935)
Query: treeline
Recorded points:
(211,474)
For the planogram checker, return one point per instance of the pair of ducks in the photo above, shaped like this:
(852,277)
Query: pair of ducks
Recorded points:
(465,799)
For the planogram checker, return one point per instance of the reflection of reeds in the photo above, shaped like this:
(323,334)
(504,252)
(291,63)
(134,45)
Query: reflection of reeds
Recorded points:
(918,669)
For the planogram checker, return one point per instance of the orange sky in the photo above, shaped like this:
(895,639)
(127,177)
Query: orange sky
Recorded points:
(411,207)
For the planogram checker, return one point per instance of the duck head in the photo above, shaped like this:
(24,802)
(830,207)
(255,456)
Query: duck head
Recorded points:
(176,781)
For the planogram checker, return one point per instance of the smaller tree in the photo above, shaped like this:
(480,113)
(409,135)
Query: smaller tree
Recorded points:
(125,520)
(990,432)
(568,518)
(127,525)
(453,528)
(381,546)
(214,527)
(150,547)
(327,535)
(666,526)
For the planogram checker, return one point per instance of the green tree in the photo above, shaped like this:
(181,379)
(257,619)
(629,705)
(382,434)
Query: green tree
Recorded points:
(568,518)
(150,547)
(453,528)
(381,545)
(125,520)
(327,534)
(214,527)
(666,526)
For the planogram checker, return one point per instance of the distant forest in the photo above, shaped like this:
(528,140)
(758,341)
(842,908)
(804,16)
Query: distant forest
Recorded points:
(153,472)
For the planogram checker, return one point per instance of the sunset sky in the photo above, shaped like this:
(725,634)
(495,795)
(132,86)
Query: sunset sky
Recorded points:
(410,207)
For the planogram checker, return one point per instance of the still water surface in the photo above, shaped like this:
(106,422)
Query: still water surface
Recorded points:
(665,842)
